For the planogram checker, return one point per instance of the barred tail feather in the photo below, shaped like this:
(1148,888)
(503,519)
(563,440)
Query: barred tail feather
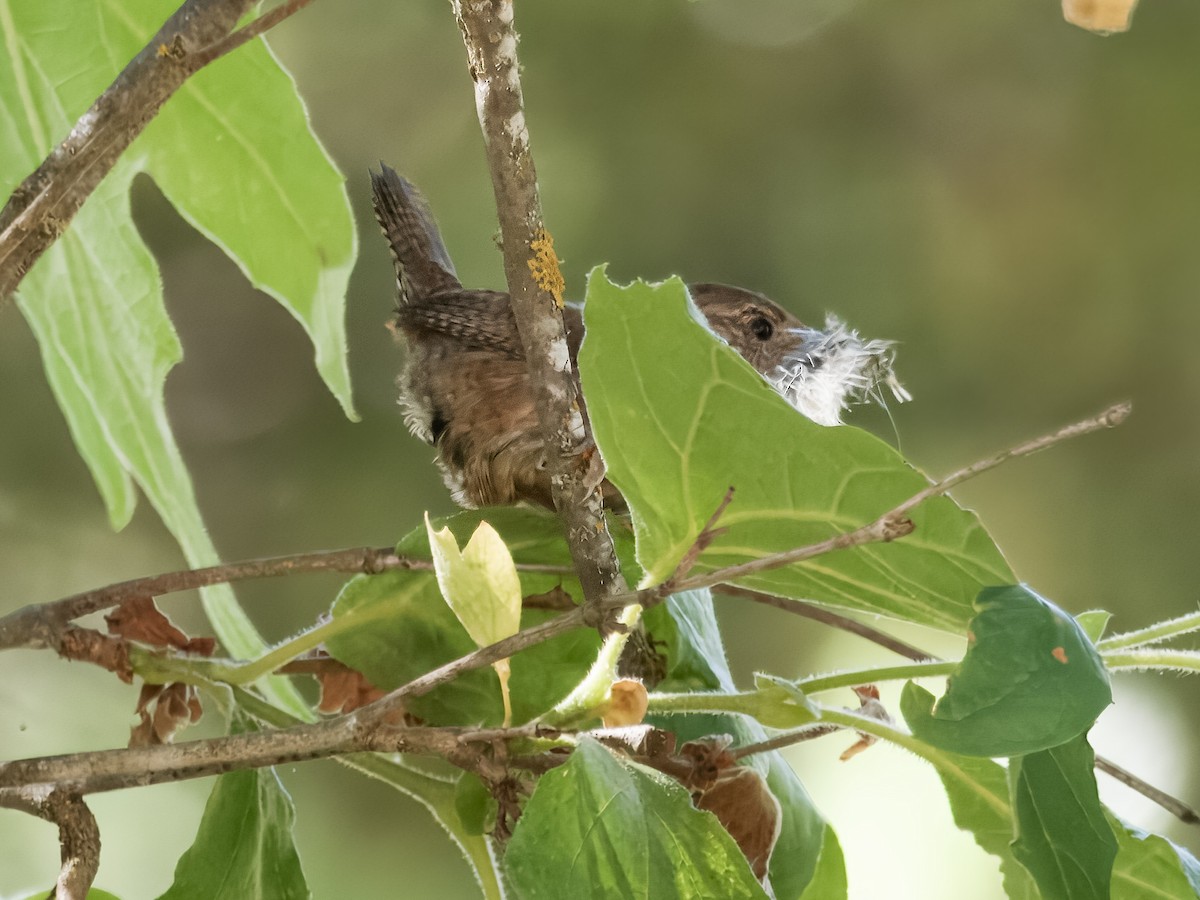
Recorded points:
(423,266)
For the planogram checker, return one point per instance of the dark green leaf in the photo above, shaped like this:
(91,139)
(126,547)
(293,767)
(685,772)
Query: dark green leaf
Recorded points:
(244,846)
(679,421)
(1063,837)
(475,806)
(395,626)
(1150,867)
(598,826)
(1030,680)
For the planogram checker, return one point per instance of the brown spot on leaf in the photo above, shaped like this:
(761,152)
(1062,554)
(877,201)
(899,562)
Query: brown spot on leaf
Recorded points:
(1060,654)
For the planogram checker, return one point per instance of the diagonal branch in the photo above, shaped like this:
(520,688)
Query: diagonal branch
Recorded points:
(491,42)
(894,523)
(43,205)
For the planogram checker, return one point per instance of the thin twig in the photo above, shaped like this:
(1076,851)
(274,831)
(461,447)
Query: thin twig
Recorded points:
(249,32)
(707,535)
(786,739)
(1173,805)
(491,44)
(43,205)
(893,524)
(827,617)
(40,625)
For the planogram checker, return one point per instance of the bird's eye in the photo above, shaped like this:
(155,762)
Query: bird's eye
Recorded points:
(762,328)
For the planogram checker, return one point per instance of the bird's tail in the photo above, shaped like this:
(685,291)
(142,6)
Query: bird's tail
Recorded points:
(423,266)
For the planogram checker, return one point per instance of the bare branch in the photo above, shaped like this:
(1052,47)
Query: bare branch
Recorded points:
(257,28)
(893,524)
(42,626)
(1173,805)
(827,617)
(42,207)
(491,43)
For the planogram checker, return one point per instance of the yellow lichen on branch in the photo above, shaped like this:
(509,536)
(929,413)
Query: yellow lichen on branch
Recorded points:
(544,266)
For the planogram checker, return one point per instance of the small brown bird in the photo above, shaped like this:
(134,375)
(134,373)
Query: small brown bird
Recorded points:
(466,391)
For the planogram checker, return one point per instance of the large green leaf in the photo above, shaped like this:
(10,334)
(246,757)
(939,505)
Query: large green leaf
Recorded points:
(1031,680)
(598,826)
(240,164)
(244,846)
(679,417)
(1062,835)
(395,626)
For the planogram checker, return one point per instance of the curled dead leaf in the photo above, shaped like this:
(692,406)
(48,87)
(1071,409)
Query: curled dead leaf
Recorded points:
(164,709)
(737,795)
(869,705)
(742,802)
(138,619)
(627,704)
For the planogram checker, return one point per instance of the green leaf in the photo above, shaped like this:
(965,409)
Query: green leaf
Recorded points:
(829,880)
(247,171)
(1030,680)
(807,852)
(978,793)
(1062,835)
(243,166)
(1150,867)
(244,846)
(678,421)
(479,583)
(1094,622)
(782,703)
(395,626)
(598,825)
(474,804)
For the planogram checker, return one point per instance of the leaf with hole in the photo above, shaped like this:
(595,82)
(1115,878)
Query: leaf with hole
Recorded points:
(1030,680)
(679,421)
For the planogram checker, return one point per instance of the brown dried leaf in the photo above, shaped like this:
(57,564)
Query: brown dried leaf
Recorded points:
(869,705)
(709,756)
(737,795)
(742,802)
(343,689)
(163,711)
(555,598)
(138,619)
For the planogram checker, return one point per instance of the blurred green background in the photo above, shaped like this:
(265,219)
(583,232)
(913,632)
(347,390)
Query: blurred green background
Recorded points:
(1014,200)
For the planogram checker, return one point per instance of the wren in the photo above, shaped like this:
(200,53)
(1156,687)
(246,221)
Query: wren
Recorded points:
(466,391)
